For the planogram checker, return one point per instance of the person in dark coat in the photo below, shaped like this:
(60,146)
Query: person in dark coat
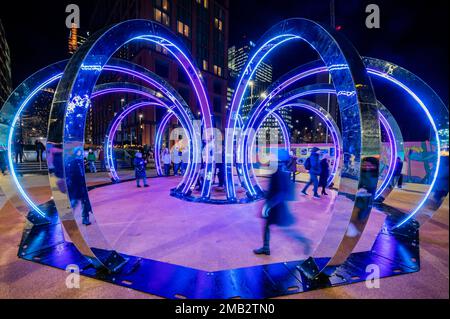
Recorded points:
(75,177)
(3,163)
(324,175)
(18,149)
(398,176)
(40,148)
(314,172)
(276,210)
(292,165)
(140,169)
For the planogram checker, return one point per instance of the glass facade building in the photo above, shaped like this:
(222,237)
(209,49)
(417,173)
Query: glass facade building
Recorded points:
(5,67)
(237,57)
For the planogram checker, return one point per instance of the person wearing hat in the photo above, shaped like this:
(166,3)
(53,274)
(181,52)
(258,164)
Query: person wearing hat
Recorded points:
(139,170)
(312,164)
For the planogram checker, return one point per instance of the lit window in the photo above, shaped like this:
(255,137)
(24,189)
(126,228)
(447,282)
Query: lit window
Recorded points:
(217,70)
(165,5)
(203,2)
(165,19)
(205,65)
(218,24)
(158,14)
(183,29)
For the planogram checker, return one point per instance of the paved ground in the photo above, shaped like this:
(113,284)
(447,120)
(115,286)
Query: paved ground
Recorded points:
(208,237)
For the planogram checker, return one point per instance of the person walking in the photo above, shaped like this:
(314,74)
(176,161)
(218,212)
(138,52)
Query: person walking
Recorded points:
(40,148)
(292,165)
(3,156)
(275,210)
(184,160)
(177,158)
(324,174)
(312,164)
(91,161)
(101,158)
(140,170)
(166,161)
(18,149)
(398,176)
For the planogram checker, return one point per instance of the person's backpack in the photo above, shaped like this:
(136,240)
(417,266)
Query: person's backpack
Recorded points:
(308,164)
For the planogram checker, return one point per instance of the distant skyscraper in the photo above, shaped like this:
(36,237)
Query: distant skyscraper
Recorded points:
(237,58)
(5,68)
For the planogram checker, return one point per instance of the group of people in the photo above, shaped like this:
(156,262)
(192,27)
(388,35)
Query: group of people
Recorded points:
(93,156)
(19,148)
(179,157)
(318,168)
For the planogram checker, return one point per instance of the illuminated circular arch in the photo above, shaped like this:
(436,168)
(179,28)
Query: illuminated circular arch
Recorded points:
(302,104)
(114,125)
(357,101)
(432,105)
(67,122)
(387,121)
(27,90)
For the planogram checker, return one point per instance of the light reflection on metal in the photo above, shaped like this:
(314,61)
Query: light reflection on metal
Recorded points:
(348,74)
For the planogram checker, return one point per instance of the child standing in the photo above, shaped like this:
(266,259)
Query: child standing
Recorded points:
(139,169)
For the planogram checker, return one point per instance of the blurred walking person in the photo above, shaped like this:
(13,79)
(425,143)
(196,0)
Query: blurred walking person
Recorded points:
(398,176)
(312,164)
(324,175)
(276,210)
(292,165)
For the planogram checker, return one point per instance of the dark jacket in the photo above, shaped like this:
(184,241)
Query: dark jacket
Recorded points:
(324,173)
(280,191)
(292,165)
(398,168)
(139,167)
(315,164)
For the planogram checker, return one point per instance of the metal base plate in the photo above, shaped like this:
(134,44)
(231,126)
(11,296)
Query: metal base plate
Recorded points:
(393,254)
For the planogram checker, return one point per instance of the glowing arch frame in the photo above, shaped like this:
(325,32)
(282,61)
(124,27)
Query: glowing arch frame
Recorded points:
(356,102)
(387,121)
(298,103)
(77,85)
(114,125)
(27,90)
(434,109)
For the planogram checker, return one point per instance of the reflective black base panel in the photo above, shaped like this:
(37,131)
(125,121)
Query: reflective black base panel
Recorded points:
(393,253)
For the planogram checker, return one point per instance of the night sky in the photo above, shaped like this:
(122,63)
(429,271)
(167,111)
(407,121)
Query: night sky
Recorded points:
(413,34)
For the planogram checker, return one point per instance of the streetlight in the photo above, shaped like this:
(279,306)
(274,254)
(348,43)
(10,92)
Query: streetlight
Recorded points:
(141,116)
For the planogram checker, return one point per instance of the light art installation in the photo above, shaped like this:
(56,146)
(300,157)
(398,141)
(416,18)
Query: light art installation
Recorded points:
(359,112)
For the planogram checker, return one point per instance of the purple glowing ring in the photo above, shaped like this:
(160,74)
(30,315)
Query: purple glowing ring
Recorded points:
(324,116)
(112,130)
(328,89)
